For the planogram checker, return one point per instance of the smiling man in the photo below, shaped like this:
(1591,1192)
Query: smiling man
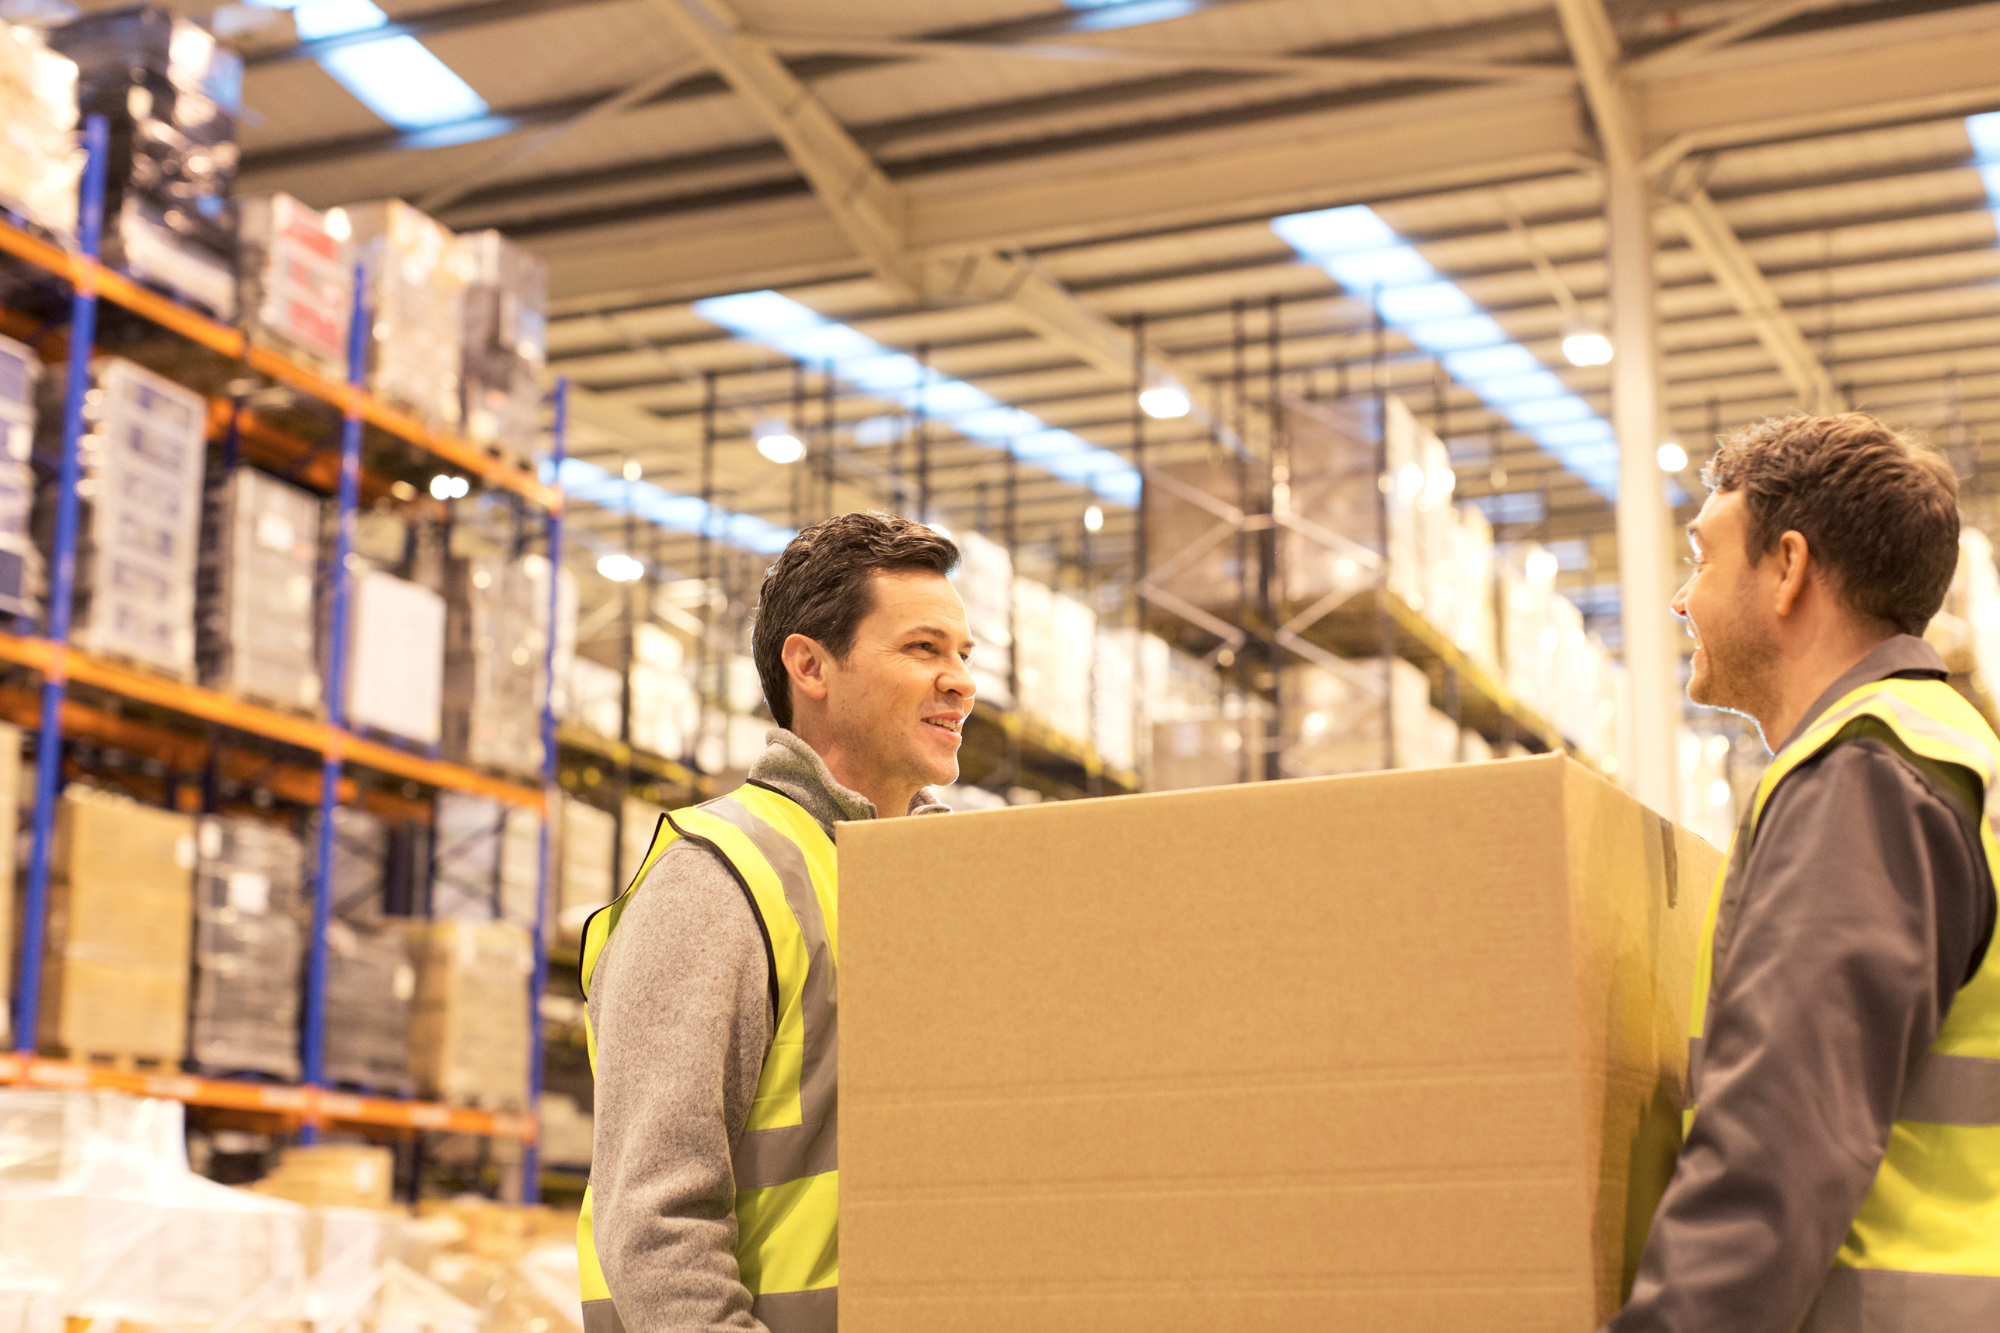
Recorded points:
(712,982)
(1841,1170)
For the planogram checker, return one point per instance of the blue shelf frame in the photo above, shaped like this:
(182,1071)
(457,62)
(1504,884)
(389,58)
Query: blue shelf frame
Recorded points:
(61,603)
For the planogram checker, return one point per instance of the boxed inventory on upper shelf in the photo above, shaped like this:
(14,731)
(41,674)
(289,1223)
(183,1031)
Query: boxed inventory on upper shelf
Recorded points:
(170,95)
(417,275)
(20,563)
(297,275)
(40,161)
(506,344)
(249,944)
(256,600)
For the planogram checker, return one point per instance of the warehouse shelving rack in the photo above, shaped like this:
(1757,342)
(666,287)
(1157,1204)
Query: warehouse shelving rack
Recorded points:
(309,1105)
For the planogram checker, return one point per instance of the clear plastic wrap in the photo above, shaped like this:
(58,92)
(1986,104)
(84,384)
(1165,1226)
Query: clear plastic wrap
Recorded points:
(255,590)
(416,277)
(40,159)
(249,942)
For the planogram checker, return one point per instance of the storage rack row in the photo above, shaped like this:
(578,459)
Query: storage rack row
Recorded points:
(108,691)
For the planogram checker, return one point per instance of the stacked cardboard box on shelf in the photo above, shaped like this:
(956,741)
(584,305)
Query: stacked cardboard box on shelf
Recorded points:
(1055,638)
(10,810)
(370,984)
(662,701)
(20,563)
(589,853)
(255,590)
(1348,722)
(486,860)
(985,582)
(491,668)
(40,161)
(249,943)
(506,344)
(469,1023)
(395,646)
(141,517)
(121,905)
(595,698)
(296,276)
(171,95)
(336,1175)
(416,276)
(1115,701)
(1488,1031)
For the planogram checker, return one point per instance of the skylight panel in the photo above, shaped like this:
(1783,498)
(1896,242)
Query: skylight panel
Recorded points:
(778,322)
(583,480)
(1984,131)
(395,76)
(1366,256)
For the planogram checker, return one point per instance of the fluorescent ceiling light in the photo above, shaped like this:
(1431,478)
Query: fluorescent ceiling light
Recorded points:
(1587,349)
(778,322)
(1365,255)
(585,481)
(395,76)
(620,568)
(1109,15)
(1984,131)
(1093,519)
(1165,402)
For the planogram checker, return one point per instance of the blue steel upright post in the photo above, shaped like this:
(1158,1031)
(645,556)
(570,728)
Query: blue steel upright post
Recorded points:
(313,1043)
(62,585)
(531,1160)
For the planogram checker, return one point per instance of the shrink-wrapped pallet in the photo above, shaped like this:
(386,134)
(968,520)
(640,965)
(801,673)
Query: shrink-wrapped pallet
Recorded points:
(416,279)
(491,668)
(638,821)
(985,583)
(249,945)
(663,700)
(115,958)
(486,860)
(370,984)
(40,160)
(1054,642)
(140,517)
(469,1024)
(506,344)
(395,673)
(296,273)
(588,862)
(595,698)
(10,807)
(20,563)
(255,591)
(1347,722)
(170,94)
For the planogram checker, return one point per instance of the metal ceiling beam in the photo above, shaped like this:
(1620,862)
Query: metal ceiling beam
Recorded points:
(1307,65)
(1702,223)
(1748,24)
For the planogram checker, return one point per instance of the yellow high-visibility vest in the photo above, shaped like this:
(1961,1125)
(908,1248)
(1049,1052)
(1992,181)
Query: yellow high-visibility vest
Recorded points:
(786,1163)
(1923,1255)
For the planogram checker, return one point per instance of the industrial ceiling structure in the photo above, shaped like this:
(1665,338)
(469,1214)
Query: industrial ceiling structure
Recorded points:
(993,221)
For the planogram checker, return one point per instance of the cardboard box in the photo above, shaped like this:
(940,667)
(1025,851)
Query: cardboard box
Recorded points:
(469,1024)
(332,1175)
(1380,1053)
(121,908)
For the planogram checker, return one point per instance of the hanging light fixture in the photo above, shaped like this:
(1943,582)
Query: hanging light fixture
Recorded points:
(776,442)
(1673,458)
(1163,402)
(1586,347)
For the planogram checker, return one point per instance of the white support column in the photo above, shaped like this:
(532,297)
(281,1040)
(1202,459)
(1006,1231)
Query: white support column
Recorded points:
(1645,579)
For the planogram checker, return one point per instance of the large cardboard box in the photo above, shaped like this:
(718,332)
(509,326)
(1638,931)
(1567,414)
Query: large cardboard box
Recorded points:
(1385,1053)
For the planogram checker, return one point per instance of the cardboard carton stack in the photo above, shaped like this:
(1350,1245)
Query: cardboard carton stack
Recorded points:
(491,714)
(1114,702)
(255,591)
(662,700)
(332,1175)
(10,820)
(486,861)
(296,275)
(985,583)
(1055,638)
(40,161)
(589,853)
(121,905)
(506,344)
(1551,664)
(1445,1094)
(469,1024)
(370,984)
(1349,722)
(395,646)
(140,517)
(20,563)
(595,698)
(249,944)
(171,95)
(416,275)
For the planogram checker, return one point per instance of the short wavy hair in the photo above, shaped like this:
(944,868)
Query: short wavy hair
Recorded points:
(1878,510)
(820,588)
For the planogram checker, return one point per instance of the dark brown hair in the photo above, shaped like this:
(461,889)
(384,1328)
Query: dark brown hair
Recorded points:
(820,588)
(1878,510)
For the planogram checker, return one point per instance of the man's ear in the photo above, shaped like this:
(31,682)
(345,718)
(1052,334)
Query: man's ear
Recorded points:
(1794,568)
(808,664)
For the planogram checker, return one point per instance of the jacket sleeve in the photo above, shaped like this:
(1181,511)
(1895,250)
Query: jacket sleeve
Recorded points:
(1837,955)
(680,1010)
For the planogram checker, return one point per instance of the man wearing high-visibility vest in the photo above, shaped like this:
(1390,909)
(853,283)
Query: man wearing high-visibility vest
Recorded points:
(712,982)
(1841,1169)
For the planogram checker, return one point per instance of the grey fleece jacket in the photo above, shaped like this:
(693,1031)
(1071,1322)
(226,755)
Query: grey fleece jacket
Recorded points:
(680,1011)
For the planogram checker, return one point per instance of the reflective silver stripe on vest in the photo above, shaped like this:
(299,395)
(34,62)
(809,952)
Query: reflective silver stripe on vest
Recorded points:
(1884,1300)
(601,1316)
(766,1157)
(1953,1090)
(798,1311)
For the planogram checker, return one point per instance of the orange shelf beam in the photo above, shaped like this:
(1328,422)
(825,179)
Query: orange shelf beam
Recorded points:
(306,1105)
(225,341)
(306,733)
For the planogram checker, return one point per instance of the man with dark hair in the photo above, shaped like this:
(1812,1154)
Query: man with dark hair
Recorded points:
(712,982)
(1841,1167)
